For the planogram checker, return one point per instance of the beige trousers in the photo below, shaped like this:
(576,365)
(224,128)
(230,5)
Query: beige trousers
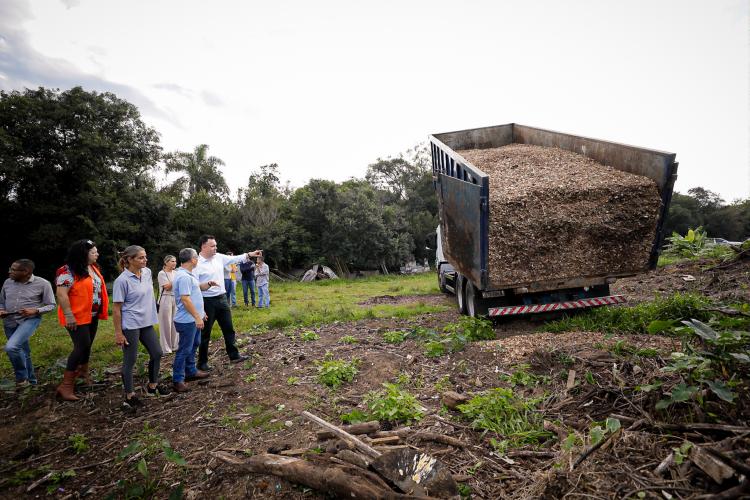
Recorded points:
(168,336)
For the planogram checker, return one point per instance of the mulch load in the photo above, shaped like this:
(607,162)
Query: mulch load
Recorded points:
(556,215)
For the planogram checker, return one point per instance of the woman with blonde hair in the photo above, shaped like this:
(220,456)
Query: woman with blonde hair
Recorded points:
(168,337)
(134,320)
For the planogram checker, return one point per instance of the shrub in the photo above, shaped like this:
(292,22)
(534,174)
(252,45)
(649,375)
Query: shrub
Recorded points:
(393,404)
(334,372)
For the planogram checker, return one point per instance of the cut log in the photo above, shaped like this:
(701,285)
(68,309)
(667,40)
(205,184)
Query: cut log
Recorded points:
(356,443)
(439,438)
(331,480)
(402,432)
(453,399)
(354,458)
(354,429)
(385,440)
(712,466)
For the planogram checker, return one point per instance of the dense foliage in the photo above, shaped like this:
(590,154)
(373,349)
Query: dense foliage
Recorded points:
(703,208)
(77,164)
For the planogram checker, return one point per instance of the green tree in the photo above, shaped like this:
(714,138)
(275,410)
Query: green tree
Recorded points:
(75,164)
(200,172)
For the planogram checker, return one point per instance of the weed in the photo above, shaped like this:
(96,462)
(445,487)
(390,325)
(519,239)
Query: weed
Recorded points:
(521,376)
(250,378)
(334,372)
(292,381)
(565,359)
(499,410)
(58,477)
(649,317)
(354,417)
(348,339)
(394,337)
(78,443)
(464,490)
(309,336)
(444,384)
(393,404)
(403,378)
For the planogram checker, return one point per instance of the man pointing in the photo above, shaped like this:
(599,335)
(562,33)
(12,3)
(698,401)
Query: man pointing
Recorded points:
(211,268)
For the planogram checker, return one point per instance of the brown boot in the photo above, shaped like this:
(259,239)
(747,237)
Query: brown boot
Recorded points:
(65,389)
(83,374)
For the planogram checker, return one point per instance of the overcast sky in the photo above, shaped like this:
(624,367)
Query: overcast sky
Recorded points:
(324,88)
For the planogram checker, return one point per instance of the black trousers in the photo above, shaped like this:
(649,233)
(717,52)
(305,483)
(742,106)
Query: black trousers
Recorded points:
(217,309)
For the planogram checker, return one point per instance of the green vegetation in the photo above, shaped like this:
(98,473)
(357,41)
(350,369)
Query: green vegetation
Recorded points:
(521,376)
(649,317)
(455,336)
(711,359)
(78,443)
(393,404)
(334,372)
(394,337)
(348,339)
(354,417)
(309,336)
(512,418)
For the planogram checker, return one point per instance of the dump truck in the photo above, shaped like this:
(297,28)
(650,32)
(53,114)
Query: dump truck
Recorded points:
(525,240)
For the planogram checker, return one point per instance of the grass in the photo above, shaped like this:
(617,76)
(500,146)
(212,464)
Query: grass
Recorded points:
(648,317)
(294,304)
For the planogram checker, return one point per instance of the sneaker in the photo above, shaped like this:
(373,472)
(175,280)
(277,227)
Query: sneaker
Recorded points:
(159,390)
(204,367)
(22,384)
(198,375)
(134,402)
(180,387)
(239,359)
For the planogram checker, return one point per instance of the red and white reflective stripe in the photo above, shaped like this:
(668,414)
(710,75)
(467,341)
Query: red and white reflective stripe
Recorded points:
(556,306)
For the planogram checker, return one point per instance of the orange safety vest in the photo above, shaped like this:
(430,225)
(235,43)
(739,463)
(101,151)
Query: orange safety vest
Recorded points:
(81,296)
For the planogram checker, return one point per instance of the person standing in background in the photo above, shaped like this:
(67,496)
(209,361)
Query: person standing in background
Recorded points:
(168,336)
(262,274)
(23,299)
(247,271)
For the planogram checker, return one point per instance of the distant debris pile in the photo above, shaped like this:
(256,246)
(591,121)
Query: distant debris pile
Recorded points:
(414,268)
(318,272)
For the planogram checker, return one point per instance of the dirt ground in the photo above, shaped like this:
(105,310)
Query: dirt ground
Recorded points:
(254,408)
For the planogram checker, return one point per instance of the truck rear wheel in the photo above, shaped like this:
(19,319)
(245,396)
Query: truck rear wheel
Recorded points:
(476,306)
(461,293)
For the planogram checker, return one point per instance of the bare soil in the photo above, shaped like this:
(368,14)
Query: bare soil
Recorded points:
(254,408)
(546,201)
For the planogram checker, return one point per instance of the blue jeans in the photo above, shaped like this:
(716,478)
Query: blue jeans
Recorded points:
(231,287)
(19,350)
(251,285)
(263,296)
(184,360)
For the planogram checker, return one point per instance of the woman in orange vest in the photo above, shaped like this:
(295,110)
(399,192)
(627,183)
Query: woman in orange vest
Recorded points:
(83,301)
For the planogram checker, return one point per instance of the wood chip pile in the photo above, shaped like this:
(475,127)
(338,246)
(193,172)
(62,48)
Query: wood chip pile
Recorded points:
(555,215)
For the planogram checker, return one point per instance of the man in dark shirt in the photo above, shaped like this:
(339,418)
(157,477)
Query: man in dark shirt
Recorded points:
(248,280)
(23,299)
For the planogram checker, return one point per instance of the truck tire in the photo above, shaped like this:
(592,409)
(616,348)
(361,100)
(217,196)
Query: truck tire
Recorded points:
(476,306)
(461,293)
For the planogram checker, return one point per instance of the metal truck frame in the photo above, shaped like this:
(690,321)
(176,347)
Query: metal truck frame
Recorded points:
(463,200)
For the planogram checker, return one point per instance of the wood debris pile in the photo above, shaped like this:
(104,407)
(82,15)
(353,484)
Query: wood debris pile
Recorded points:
(556,215)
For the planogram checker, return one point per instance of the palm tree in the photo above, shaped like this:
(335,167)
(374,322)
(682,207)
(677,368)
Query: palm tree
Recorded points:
(201,171)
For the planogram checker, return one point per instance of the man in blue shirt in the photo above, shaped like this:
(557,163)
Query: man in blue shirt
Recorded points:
(188,319)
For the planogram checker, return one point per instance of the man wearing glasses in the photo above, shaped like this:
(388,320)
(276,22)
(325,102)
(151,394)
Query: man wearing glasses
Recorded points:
(23,299)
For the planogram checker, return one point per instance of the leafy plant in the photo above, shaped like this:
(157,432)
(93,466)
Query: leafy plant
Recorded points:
(499,410)
(334,372)
(308,336)
(521,376)
(690,245)
(394,337)
(393,404)
(292,381)
(348,339)
(354,417)
(78,443)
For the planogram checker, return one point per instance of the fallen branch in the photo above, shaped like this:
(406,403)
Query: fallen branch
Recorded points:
(331,480)
(364,448)
(701,427)
(439,438)
(363,428)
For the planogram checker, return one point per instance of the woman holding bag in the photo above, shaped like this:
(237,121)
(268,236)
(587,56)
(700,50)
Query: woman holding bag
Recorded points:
(168,336)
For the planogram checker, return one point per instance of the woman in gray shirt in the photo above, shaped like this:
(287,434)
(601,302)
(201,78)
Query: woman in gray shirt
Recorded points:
(134,320)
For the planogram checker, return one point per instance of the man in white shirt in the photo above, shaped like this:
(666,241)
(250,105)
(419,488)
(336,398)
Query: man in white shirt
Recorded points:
(211,268)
